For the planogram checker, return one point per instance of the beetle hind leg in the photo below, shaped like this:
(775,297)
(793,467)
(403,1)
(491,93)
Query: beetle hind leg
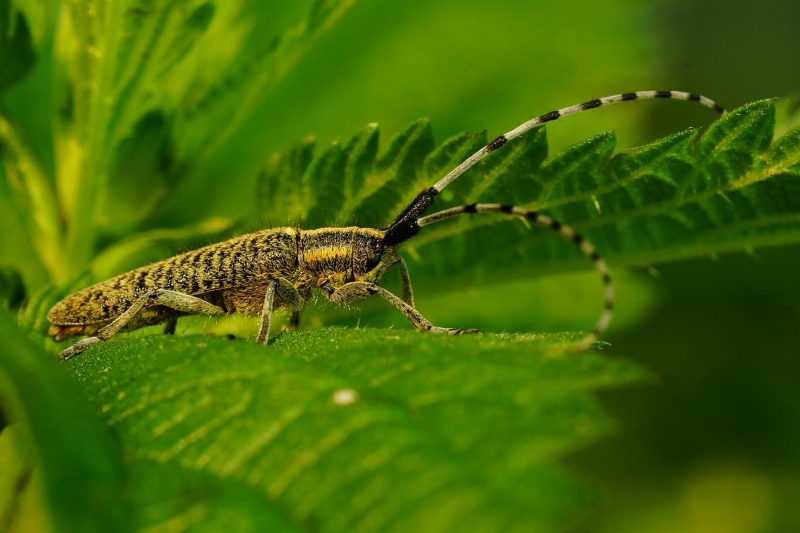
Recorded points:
(169,327)
(178,301)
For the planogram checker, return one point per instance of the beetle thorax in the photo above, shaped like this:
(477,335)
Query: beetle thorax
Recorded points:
(335,256)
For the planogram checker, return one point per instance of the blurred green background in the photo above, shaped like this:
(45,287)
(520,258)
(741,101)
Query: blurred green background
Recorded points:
(715,445)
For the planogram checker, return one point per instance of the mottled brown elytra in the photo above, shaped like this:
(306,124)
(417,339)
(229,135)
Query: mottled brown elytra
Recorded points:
(257,273)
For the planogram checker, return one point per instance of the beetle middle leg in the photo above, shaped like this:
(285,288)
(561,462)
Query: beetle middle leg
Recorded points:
(178,301)
(405,280)
(291,299)
(358,290)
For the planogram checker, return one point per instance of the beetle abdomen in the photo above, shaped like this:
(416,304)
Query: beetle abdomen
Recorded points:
(237,262)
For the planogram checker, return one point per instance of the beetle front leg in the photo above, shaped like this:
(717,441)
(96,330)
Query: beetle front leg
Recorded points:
(358,290)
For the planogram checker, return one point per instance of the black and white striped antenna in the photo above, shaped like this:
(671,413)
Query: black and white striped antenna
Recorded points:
(554,115)
(411,219)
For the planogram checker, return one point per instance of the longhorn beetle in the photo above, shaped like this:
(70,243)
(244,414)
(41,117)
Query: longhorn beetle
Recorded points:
(260,272)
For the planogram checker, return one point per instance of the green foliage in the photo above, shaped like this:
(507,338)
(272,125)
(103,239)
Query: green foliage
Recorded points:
(123,147)
(443,433)
(16,49)
(12,290)
(692,193)
(333,429)
(74,454)
(121,122)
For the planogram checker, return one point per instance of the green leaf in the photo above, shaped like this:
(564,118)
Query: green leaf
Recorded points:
(16,49)
(730,188)
(326,178)
(60,469)
(18,251)
(22,507)
(368,430)
(166,496)
(148,96)
(280,193)
(31,207)
(12,290)
(394,171)
(78,461)
(787,115)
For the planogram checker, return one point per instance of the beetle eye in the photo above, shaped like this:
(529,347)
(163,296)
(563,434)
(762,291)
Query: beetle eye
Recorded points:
(374,255)
(372,262)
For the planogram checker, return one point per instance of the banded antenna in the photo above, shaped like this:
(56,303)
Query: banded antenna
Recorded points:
(411,219)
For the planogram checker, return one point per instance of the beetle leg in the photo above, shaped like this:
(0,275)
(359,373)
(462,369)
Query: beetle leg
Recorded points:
(358,290)
(288,294)
(291,299)
(266,313)
(294,321)
(184,303)
(169,328)
(408,292)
